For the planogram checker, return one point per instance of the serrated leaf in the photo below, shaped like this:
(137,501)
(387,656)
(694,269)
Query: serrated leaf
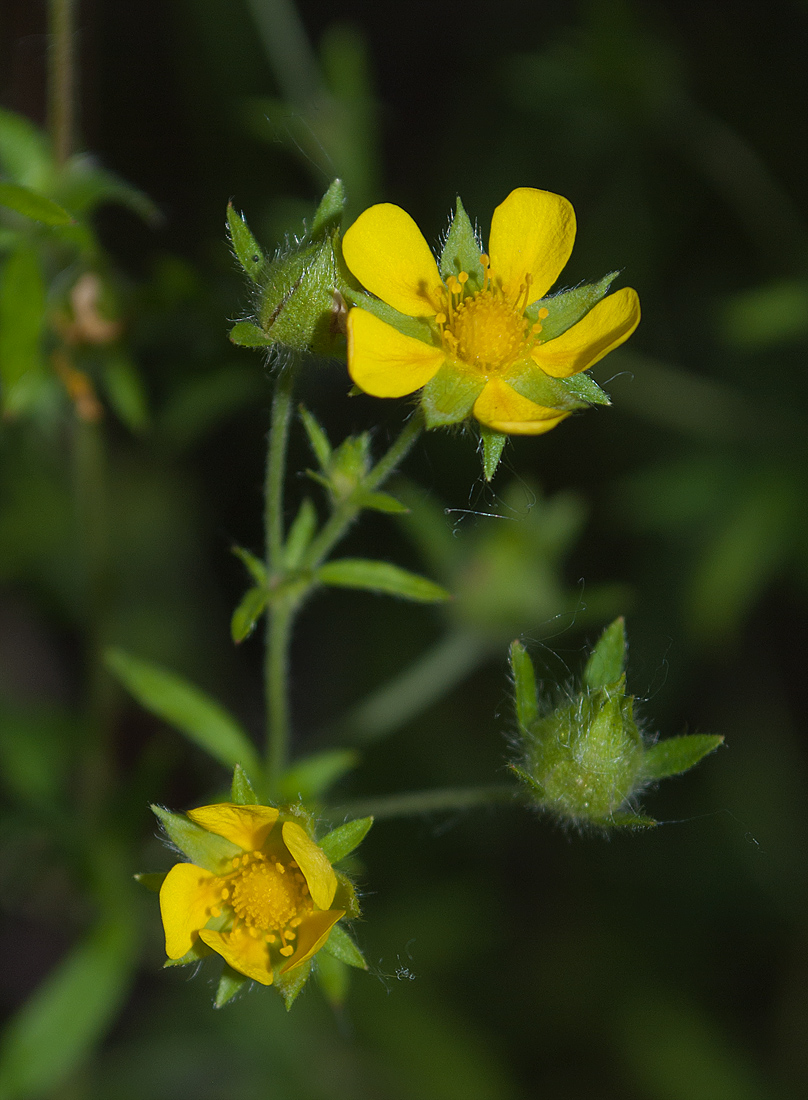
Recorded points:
(380,576)
(254,565)
(248,251)
(677,754)
(311,777)
(340,946)
(230,983)
(300,534)
(151,880)
(22,307)
(193,712)
(289,985)
(33,205)
(380,502)
(462,249)
(241,789)
(318,440)
(328,214)
(449,396)
(493,444)
(126,392)
(608,659)
(247,614)
(568,307)
(524,681)
(341,841)
(248,335)
(205,849)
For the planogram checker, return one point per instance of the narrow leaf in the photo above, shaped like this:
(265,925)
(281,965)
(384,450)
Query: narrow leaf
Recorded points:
(201,719)
(254,565)
(381,502)
(311,777)
(208,850)
(248,335)
(229,985)
(241,790)
(300,534)
(608,659)
(677,754)
(380,576)
(247,614)
(247,250)
(318,440)
(524,681)
(341,841)
(33,205)
(340,945)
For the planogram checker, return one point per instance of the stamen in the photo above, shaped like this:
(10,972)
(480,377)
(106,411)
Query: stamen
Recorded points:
(543,313)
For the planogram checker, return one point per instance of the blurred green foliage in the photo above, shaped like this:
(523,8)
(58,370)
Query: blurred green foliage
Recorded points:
(507,959)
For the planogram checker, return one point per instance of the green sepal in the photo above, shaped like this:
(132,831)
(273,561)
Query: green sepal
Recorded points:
(607,661)
(493,444)
(253,564)
(328,214)
(193,712)
(247,614)
(241,789)
(677,754)
(247,335)
(341,841)
(230,983)
(289,985)
(151,880)
(417,327)
(524,682)
(569,306)
(631,821)
(33,205)
(449,396)
(198,952)
(207,850)
(300,534)
(381,502)
(380,576)
(318,440)
(585,389)
(311,777)
(341,946)
(345,897)
(461,252)
(542,389)
(248,251)
(333,977)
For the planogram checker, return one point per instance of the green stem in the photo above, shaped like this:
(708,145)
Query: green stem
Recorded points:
(276,470)
(61,78)
(444,799)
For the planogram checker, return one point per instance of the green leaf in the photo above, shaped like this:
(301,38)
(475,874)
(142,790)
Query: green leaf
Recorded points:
(289,985)
(68,1013)
(247,614)
(33,205)
(381,502)
(22,308)
(341,946)
(248,335)
(208,850)
(25,152)
(241,790)
(254,565)
(201,719)
(341,841)
(380,576)
(333,977)
(126,392)
(449,396)
(311,777)
(493,444)
(524,682)
(677,754)
(318,440)
(229,985)
(462,249)
(248,251)
(569,306)
(151,880)
(328,214)
(300,534)
(608,659)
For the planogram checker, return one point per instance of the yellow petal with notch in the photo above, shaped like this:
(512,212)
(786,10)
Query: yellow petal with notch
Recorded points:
(186,897)
(385,363)
(247,826)
(386,251)
(603,329)
(500,407)
(532,233)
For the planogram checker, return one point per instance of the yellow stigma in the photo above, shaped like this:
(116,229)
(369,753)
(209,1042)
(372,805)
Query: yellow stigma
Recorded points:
(487,329)
(268,896)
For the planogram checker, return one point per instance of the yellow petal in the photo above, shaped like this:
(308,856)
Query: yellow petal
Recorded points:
(247,826)
(532,233)
(186,897)
(313,862)
(386,251)
(245,953)
(604,328)
(384,362)
(311,935)
(500,407)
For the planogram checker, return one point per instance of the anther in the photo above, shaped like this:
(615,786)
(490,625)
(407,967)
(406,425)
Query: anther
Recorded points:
(287,951)
(543,313)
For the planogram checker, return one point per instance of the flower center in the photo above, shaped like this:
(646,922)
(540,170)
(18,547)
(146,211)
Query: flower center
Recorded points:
(487,330)
(269,896)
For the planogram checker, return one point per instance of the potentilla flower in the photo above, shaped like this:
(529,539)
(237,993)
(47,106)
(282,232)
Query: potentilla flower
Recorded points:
(266,903)
(476,330)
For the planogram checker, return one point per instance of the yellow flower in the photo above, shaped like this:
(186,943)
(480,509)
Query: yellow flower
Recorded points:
(267,909)
(477,330)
